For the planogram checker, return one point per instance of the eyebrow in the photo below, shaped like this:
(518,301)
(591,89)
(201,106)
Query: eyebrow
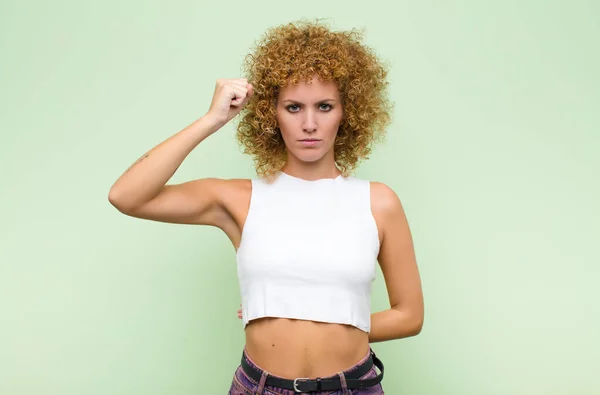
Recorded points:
(297,102)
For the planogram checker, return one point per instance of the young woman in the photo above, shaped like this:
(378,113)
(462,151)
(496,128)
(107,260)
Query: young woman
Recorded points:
(308,235)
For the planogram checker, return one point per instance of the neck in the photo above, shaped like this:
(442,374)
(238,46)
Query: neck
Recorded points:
(311,171)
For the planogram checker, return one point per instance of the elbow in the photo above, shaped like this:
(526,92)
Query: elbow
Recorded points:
(409,323)
(414,325)
(417,321)
(112,197)
(413,329)
(417,326)
(117,201)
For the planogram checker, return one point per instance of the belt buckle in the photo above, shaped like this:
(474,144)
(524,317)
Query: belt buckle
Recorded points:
(296,383)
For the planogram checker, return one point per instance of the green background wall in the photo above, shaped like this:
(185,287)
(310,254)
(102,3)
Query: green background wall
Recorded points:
(493,151)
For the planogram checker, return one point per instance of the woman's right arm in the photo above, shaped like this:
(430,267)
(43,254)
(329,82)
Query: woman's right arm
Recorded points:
(141,191)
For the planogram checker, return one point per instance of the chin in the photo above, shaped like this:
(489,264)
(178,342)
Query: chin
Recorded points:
(309,156)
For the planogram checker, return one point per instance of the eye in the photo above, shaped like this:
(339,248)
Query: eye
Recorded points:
(327,107)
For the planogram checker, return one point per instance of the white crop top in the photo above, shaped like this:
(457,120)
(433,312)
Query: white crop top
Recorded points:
(309,251)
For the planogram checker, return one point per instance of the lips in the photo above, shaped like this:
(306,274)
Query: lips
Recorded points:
(309,142)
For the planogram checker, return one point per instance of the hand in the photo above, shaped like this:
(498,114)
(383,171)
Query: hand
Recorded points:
(239,312)
(230,96)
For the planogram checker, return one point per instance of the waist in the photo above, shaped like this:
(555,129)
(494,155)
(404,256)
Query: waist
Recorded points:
(300,348)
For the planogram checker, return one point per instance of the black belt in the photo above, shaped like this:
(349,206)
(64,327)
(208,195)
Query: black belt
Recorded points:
(353,378)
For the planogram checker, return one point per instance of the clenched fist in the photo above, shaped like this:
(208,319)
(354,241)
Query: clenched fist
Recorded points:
(230,96)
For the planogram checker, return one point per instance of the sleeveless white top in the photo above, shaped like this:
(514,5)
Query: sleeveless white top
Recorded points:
(309,251)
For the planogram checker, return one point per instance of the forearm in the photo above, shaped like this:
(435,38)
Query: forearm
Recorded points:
(394,324)
(149,174)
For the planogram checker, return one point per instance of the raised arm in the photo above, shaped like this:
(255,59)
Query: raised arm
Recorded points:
(142,190)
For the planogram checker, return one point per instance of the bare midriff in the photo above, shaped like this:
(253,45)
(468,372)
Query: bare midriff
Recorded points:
(298,348)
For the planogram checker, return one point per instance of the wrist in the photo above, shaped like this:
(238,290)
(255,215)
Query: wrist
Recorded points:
(212,122)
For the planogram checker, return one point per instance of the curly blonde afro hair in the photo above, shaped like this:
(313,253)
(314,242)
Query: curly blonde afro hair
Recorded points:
(296,52)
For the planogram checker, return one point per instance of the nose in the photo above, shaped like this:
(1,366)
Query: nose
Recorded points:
(309,122)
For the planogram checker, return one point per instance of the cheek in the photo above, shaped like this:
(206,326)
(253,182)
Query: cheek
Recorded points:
(334,127)
(285,133)
(336,120)
(283,121)
(285,136)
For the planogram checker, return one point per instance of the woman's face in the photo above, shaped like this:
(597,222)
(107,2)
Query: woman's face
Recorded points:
(309,117)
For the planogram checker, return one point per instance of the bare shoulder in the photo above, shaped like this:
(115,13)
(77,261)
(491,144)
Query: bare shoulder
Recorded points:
(222,189)
(234,198)
(227,193)
(232,190)
(383,198)
(232,185)
(223,184)
(386,207)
